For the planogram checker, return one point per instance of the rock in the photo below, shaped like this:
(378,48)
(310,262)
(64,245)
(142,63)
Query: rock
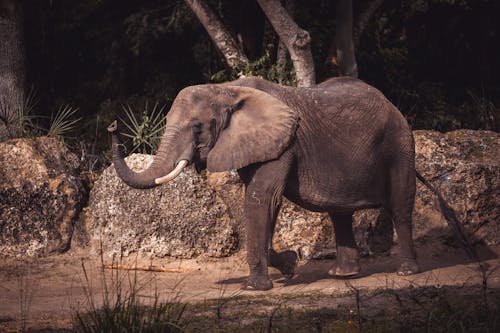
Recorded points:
(41,195)
(184,218)
(167,220)
(465,167)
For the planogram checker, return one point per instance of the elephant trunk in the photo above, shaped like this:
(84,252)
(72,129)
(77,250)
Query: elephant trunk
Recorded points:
(158,173)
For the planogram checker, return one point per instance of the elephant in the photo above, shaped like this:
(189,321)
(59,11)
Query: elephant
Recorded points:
(337,147)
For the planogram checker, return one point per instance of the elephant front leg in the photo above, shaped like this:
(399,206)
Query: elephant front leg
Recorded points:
(258,226)
(264,189)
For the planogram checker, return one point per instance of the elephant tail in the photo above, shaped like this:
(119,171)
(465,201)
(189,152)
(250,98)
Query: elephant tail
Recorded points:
(452,220)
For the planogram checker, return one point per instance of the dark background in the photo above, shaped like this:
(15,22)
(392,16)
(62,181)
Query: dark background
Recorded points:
(437,60)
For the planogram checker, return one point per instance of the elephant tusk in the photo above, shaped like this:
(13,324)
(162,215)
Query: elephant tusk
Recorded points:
(174,173)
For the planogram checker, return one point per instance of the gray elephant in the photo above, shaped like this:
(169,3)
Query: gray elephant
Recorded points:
(338,147)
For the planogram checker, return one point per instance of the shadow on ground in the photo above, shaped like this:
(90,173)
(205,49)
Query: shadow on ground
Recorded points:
(430,255)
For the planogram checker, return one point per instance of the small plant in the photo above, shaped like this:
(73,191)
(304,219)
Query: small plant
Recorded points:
(62,122)
(144,131)
(17,118)
(27,287)
(123,309)
(93,159)
(479,112)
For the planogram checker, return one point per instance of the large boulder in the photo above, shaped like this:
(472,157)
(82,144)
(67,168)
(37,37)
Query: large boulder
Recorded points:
(203,214)
(184,218)
(41,195)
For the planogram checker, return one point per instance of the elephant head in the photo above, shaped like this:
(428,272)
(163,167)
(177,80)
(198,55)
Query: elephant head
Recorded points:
(220,127)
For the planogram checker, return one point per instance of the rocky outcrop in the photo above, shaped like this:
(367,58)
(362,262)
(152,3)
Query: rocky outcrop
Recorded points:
(184,218)
(203,214)
(41,195)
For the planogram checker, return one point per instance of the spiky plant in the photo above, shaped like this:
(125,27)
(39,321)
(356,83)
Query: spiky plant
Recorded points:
(17,119)
(144,131)
(62,121)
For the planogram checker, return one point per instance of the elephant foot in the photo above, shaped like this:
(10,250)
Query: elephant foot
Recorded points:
(346,269)
(285,262)
(408,267)
(347,262)
(257,283)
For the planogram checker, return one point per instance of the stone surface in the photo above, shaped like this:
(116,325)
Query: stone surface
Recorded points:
(184,218)
(464,165)
(203,214)
(41,195)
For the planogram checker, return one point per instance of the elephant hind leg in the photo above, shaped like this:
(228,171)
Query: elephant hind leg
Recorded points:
(347,250)
(402,198)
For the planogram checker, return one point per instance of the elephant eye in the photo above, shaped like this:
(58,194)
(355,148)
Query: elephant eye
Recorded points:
(196,126)
(235,107)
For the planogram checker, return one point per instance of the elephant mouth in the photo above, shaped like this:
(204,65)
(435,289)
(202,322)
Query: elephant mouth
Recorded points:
(200,166)
(172,174)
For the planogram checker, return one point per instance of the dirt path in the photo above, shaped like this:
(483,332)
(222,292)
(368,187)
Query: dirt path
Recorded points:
(43,293)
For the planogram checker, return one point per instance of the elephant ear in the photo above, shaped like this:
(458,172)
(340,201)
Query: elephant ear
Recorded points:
(259,130)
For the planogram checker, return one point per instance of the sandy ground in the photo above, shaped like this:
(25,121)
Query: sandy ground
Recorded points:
(44,292)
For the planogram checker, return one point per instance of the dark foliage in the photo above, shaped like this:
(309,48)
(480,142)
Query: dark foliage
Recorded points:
(437,60)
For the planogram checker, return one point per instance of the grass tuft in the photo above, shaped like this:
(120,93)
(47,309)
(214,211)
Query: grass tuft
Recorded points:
(16,116)
(123,309)
(62,121)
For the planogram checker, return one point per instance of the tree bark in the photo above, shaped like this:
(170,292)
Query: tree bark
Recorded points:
(282,53)
(346,58)
(297,41)
(281,58)
(363,20)
(227,45)
(12,68)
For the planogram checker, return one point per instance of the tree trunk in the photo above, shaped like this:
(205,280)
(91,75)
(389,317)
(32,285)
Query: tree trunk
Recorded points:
(282,53)
(227,45)
(281,58)
(11,68)
(297,41)
(346,59)
(363,20)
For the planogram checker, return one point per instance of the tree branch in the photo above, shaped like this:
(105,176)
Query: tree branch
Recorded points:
(297,41)
(282,53)
(346,58)
(227,45)
(145,268)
